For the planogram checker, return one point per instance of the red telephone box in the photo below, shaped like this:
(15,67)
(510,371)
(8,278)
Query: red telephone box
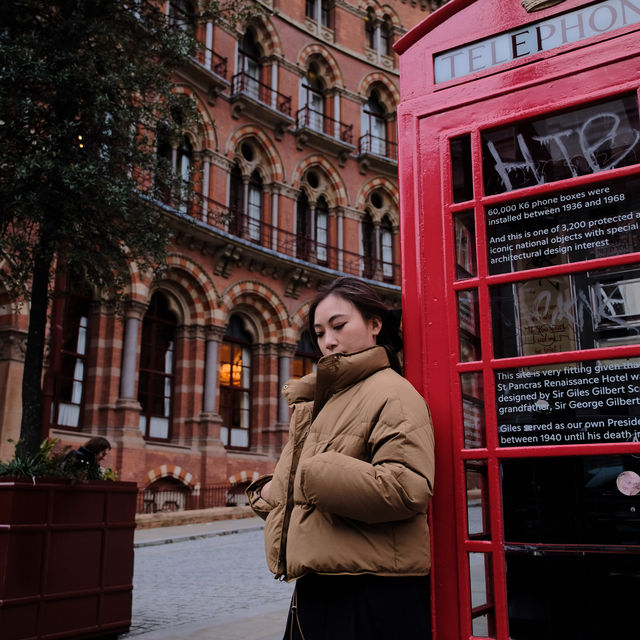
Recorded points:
(520,182)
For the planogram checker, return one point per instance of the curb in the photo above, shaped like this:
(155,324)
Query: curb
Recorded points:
(194,536)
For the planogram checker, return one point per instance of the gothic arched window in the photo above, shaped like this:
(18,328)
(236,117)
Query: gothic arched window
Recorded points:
(235,385)
(156,381)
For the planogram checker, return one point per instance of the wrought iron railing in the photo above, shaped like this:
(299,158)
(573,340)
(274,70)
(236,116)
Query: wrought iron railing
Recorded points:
(220,495)
(287,243)
(317,121)
(211,60)
(248,85)
(369,143)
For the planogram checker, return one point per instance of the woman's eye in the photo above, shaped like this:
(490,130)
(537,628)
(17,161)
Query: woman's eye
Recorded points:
(337,327)
(319,334)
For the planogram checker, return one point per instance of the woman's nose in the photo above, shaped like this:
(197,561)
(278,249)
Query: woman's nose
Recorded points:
(330,340)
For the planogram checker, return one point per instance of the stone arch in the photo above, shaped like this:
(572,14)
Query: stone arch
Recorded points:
(299,319)
(204,135)
(272,162)
(171,471)
(327,62)
(243,476)
(267,36)
(389,93)
(337,194)
(391,191)
(192,286)
(380,11)
(258,302)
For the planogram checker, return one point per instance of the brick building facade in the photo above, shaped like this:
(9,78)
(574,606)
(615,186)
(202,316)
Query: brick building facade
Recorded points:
(290,180)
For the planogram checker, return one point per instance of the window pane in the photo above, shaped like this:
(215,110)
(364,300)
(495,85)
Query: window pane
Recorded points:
(481,579)
(477,499)
(594,221)
(468,325)
(473,416)
(582,141)
(461,169)
(465,238)
(565,313)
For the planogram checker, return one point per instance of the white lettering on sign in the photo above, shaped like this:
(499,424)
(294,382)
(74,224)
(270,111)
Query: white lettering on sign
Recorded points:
(528,40)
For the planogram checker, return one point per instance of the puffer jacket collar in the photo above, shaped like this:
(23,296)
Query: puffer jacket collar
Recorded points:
(334,373)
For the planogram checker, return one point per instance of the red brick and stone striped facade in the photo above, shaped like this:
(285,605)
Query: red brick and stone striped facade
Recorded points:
(293,174)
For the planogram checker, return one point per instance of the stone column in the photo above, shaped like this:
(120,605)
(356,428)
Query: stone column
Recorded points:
(274,84)
(208,44)
(213,468)
(336,115)
(13,344)
(124,435)
(206,171)
(284,373)
(274,217)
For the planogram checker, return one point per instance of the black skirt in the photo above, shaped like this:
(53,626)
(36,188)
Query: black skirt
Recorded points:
(363,607)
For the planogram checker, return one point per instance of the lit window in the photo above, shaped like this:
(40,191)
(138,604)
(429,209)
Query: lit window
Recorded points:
(306,357)
(235,385)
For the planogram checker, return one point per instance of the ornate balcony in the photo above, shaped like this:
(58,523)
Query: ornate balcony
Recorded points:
(208,69)
(232,238)
(377,154)
(317,130)
(258,100)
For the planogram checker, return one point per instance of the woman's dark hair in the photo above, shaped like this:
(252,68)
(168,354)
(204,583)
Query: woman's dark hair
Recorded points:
(97,445)
(367,301)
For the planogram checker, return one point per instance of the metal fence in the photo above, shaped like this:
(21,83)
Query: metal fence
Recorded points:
(220,495)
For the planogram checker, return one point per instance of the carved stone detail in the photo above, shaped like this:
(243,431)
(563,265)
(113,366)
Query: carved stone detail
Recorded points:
(13,345)
(295,280)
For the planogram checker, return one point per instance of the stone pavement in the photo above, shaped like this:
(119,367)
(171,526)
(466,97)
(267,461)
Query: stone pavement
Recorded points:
(206,581)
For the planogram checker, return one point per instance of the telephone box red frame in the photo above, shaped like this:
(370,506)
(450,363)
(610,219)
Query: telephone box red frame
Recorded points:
(430,115)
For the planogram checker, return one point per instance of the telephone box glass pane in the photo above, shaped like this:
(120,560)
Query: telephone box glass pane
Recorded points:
(584,310)
(589,402)
(477,499)
(593,221)
(592,138)
(461,172)
(553,595)
(473,420)
(572,500)
(572,535)
(481,579)
(465,236)
(468,325)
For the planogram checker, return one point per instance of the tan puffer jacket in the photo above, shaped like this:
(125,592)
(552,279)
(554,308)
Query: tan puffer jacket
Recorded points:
(351,489)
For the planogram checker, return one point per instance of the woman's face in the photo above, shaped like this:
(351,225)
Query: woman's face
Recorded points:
(340,327)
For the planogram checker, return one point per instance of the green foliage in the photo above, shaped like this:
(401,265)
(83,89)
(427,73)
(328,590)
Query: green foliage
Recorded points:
(51,462)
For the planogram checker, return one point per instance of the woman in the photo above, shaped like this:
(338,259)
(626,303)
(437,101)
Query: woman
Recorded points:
(346,506)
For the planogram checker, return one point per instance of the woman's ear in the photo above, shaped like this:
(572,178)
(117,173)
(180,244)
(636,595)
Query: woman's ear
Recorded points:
(376,325)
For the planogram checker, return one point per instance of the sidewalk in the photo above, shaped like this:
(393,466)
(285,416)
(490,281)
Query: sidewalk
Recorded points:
(264,623)
(167,535)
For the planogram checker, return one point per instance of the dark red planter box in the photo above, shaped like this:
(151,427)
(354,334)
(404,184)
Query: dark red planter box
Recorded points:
(66,559)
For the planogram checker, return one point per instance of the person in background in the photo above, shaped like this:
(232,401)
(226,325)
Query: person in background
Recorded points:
(346,507)
(89,456)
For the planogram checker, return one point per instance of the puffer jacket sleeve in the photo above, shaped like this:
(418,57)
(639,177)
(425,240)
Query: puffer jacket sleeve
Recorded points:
(397,483)
(260,506)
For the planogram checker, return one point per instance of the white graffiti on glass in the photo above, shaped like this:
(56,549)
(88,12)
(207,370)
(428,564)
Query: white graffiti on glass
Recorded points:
(589,150)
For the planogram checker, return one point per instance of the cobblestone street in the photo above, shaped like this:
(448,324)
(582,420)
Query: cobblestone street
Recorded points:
(211,579)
